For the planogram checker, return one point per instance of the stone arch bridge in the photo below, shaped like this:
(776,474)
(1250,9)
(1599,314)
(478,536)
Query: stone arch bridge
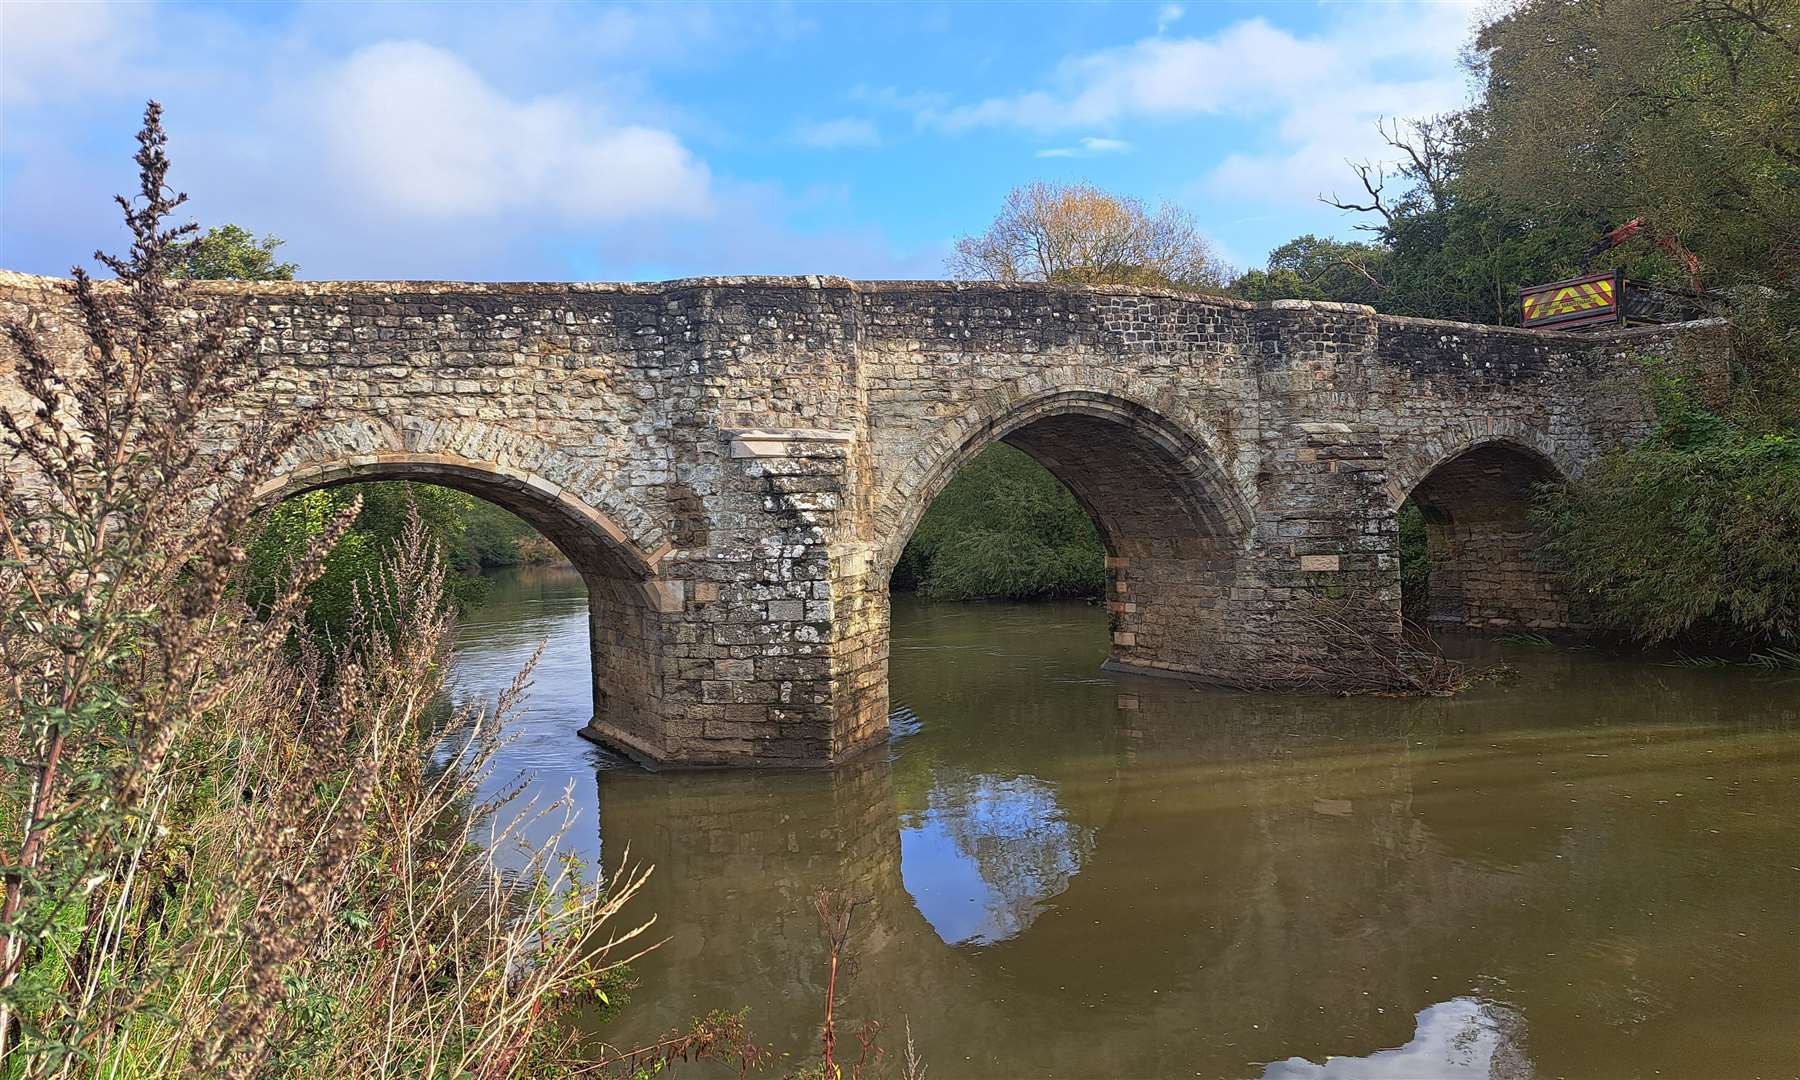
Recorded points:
(735,464)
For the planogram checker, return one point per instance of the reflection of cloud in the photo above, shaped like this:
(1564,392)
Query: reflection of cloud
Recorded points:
(1460,1039)
(986,853)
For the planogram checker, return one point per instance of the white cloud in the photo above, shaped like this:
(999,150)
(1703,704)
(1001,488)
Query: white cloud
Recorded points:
(52,49)
(1168,15)
(421,132)
(1248,65)
(1087,147)
(837,134)
(1315,97)
(921,104)
(532,147)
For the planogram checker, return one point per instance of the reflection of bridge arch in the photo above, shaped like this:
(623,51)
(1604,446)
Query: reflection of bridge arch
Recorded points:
(1201,908)
(738,857)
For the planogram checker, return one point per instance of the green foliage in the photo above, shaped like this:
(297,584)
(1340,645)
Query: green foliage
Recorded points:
(1694,534)
(1312,268)
(1685,112)
(1468,260)
(229,253)
(1445,250)
(491,537)
(1415,563)
(1004,529)
(472,534)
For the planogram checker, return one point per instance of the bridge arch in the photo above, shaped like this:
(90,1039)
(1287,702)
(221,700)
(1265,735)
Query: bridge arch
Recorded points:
(1411,463)
(1475,495)
(626,595)
(1136,470)
(1174,526)
(594,542)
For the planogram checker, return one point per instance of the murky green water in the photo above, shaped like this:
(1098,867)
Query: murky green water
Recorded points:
(1593,871)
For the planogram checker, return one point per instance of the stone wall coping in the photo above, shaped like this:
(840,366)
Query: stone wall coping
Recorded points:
(1451,326)
(776,442)
(821,282)
(790,434)
(1317,305)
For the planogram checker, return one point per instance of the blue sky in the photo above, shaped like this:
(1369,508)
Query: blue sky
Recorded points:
(605,141)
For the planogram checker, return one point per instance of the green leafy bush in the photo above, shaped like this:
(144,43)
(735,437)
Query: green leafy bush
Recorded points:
(473,535)
(1004,529)
(1415,563)
(1693,534)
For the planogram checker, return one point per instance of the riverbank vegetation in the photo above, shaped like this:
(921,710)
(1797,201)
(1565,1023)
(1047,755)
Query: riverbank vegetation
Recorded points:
(470,535)
(222,855)
(1003,529)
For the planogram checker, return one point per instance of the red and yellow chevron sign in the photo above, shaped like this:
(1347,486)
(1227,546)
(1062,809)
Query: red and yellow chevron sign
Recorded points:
(1578,301)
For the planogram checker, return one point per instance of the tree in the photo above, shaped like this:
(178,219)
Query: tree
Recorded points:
(1004,529)
(229,253)
(1080,235)
(1685,112)
(387,510)
(1314,268)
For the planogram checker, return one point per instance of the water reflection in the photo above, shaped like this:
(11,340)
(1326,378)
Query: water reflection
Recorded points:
(1460,1039)
(528,608)
(987,853)
(1169,881)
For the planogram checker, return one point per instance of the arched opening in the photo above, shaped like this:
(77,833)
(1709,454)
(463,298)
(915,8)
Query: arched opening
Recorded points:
(1167,523)
(1468,547)
(621,595)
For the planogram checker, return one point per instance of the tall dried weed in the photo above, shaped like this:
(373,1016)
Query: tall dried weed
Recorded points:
(229,848)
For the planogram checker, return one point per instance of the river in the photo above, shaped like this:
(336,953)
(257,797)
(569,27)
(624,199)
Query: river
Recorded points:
(1592,870)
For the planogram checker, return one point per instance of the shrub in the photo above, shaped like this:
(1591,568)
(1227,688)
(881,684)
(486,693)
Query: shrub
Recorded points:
(371,539)
(1415,563)
(1004,529)
(1693,534)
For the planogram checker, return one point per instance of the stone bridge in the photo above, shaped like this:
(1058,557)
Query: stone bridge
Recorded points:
(735,464)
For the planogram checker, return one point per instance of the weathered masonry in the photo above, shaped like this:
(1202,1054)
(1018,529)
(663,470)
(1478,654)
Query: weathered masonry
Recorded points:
(735,464)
